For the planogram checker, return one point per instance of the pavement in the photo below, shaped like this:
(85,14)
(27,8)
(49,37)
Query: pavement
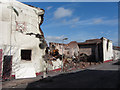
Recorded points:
(105,75)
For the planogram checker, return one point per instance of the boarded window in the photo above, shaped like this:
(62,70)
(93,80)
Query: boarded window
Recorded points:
(26,55)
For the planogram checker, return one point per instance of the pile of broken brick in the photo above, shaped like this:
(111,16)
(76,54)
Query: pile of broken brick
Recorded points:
(69,63)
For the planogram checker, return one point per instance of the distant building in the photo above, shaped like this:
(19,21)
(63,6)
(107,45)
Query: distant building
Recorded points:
(116,52)
(69,49)
(107,49)
(92,48)
(60,47)
(74,48)
(96,49)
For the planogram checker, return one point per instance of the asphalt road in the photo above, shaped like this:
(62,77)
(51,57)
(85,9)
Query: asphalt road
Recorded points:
(104,75)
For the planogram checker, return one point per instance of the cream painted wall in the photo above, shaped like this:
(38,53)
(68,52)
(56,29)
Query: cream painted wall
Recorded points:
(116,54)
(9,37)
(107,53)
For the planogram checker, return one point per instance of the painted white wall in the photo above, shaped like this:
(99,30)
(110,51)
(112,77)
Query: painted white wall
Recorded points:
(9,37)
(12,41)
(57,64)
(116,54)
(107,53)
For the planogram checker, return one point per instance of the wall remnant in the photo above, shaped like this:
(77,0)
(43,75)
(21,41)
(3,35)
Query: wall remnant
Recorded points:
(20,31)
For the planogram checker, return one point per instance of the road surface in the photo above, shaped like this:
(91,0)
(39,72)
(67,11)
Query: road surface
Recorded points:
(104,75)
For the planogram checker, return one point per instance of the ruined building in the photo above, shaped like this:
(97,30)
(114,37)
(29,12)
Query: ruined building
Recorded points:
(97,50)
(22,43)
(116,52)
(92,48)
(69,49)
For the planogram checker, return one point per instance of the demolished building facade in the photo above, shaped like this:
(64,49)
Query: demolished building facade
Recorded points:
(22,43)
(69,49)
(97,50)
(93,49)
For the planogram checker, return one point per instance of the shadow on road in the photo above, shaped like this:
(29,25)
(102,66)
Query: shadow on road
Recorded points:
(82,79)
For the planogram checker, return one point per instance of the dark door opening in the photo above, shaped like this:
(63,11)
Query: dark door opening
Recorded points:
(100,52)
(0,64)
(7,67)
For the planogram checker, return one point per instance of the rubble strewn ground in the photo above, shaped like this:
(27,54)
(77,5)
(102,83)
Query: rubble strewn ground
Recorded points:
(95,76)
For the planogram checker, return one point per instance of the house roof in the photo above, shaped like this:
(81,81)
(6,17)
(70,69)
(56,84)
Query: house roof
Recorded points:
(87,43)
(90,41)
(72,42)
(93,40)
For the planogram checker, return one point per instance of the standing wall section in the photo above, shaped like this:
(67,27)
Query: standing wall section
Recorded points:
(107,50)
(16,20)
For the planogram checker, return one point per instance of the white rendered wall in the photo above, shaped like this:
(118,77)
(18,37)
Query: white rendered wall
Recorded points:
(12,41)
(107,53)
(116,54)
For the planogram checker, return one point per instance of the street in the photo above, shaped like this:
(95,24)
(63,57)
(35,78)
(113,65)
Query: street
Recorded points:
(105,75)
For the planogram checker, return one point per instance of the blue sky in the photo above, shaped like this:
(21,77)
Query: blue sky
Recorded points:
(79,21)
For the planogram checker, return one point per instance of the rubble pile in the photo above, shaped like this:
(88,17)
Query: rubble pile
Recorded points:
(69,63)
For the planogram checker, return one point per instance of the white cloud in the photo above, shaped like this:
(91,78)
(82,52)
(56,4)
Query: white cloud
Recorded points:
(97,21)
(62,12)
(75,19)
(71,21)
(110,22)
(54,38)
(49,7)
(76,22)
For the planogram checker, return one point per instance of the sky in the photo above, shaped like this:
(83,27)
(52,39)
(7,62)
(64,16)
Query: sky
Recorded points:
(68,0)
(79,21)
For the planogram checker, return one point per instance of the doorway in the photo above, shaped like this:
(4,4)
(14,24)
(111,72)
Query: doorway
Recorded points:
(7,67)
(0,64)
